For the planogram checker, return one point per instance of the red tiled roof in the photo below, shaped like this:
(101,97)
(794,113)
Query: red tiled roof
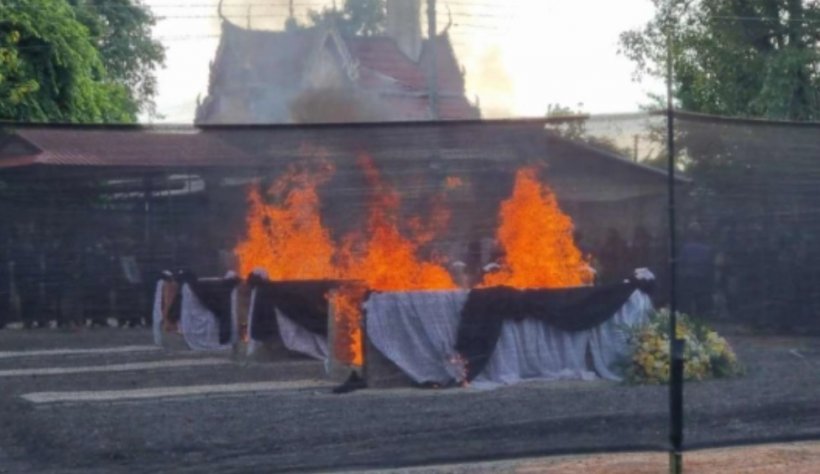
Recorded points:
(382,55)
(125,147)
(380,60)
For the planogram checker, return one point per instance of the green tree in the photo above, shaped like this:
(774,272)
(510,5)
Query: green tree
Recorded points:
(754,58)
(14,86)
(121,30)
(50,69)
(571,124)
(753,187)
(357,17)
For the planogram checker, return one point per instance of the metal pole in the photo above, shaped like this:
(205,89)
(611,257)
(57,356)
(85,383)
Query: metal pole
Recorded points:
(433,60)
(675,345)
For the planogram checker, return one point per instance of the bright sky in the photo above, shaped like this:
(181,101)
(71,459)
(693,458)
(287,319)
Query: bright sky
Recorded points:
(519,55)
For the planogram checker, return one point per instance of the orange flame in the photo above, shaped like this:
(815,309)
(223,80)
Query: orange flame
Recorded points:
(453,182)
(290,242)
(536,237)
(288,239)
(382,257)
(348,343)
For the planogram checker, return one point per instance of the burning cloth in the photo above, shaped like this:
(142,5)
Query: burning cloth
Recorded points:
(501,335)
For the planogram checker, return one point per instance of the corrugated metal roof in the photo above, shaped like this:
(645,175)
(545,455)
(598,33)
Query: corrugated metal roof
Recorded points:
(124,148)
(460,144)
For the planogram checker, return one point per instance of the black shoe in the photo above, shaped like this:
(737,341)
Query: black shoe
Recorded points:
(353,383)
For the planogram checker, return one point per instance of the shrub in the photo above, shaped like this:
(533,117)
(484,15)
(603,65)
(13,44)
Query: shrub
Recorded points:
(706,354)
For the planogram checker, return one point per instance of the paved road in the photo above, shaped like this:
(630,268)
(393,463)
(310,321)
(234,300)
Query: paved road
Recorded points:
(84,409)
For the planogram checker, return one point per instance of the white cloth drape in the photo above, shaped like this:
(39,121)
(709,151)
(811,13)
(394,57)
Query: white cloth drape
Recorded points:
(294,337)
(417,332)
(298,339)
(156,316)
(608,342)
(199,326)
(253,344)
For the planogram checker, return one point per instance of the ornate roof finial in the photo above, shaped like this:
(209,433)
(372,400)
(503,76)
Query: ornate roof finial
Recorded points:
(449,19)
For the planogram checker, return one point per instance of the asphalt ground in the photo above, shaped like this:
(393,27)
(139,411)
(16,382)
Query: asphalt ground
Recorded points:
(212,413)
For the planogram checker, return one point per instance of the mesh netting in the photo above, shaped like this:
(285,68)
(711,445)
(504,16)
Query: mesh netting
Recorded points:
(748,265)
(528,231)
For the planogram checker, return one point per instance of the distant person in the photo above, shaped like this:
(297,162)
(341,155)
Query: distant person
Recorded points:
(97,280)
(72,287)
(640,249)
(473,262)
(696,271)
(27,276)
(613,256)
(54,278)
(458,270)
(5,284)
(130,310)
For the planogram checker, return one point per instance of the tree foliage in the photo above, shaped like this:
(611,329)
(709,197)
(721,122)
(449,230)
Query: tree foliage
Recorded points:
(753,191)
(755,58)
(357,17)
(75,61)
(571,124)
(51,69)
(121,30)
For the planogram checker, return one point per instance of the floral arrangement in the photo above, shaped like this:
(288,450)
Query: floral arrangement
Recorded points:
(706,354)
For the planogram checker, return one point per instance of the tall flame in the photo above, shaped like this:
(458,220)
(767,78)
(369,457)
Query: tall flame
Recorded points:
(536,237)
(384,259)
(288,239)
(382,256)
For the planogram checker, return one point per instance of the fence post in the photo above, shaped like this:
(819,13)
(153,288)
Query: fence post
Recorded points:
(676,345)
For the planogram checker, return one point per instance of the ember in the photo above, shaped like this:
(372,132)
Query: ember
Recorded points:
(453,182)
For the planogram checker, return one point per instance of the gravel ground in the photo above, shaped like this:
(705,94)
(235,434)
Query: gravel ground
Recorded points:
(792,458)
(309,428)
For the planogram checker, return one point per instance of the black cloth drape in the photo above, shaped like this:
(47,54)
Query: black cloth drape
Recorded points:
(215,295)
(303,302)
(175,311)
(569,309)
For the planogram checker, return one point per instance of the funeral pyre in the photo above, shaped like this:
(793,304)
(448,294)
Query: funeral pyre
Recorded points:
(287,237)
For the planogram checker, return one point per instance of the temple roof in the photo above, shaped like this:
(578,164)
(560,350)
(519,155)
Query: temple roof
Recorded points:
(256,75)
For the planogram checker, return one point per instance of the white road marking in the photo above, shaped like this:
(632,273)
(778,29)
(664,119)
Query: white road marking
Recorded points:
(168,392)
(114,367)
(58,352)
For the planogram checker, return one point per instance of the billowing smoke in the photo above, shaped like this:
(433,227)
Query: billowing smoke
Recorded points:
(490,79)
(336,105)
